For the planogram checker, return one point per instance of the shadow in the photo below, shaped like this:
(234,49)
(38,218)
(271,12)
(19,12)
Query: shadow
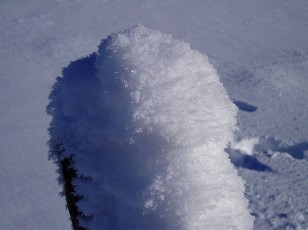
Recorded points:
(241,160)
(72,93)
(90,137)
(245,106)
(296,151)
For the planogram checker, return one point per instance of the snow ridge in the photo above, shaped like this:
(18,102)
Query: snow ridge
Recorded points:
(146,121)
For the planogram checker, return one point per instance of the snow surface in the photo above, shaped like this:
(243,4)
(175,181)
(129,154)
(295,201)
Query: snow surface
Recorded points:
(259,49)
(147,124)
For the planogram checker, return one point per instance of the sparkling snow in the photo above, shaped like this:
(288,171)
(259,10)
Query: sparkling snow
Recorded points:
(259,49)
(146,137)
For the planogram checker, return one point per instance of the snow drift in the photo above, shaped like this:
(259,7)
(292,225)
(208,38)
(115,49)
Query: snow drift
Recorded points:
(143,124)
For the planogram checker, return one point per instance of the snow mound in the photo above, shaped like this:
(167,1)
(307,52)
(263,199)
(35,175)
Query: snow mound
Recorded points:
(145,122)
(246,145)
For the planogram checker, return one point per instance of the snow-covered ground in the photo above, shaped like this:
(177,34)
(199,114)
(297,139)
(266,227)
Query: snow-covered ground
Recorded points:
(259,49)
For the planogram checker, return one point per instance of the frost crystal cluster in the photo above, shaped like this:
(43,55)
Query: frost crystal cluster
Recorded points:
(144,124)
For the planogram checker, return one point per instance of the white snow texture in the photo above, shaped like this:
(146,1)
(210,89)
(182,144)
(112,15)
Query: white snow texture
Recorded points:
(146,120)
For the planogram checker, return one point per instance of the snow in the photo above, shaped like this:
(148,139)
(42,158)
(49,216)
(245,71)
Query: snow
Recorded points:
(139,121)
(245,146)
(259,49)
(285,207)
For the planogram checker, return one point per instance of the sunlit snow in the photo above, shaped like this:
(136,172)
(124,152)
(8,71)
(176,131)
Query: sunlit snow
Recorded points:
(258,47)
(146,122)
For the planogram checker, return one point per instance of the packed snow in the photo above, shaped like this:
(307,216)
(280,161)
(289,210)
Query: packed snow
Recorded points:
(146,122)
(259,49)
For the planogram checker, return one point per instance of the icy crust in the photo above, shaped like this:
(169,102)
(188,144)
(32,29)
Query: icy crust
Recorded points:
(146,121)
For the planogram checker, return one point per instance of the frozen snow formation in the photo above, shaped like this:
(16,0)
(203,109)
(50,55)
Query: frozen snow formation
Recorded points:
(143,125)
